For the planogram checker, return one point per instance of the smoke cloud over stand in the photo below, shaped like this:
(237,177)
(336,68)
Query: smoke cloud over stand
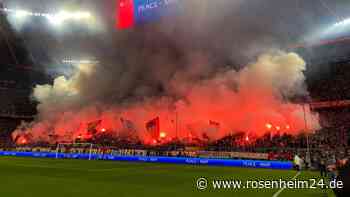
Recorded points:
(240,101)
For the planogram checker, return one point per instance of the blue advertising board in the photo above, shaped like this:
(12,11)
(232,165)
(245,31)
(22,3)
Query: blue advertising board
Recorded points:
(151,10)
(175,160)
(131,12)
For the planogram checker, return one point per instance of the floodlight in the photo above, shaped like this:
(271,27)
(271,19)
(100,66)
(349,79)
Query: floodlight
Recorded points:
(55,20)
(342,23)
(21,13)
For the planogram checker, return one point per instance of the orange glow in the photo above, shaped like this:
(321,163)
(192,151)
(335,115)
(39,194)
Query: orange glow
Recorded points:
(103,130)
(162,134)
(23,141)
(278,128)
(268,126)
(247,138)
(287,127)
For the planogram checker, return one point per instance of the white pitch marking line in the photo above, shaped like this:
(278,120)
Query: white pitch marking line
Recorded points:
(281,190)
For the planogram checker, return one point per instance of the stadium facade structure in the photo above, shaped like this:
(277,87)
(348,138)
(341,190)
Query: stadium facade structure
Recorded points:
(328,80)
(17,76)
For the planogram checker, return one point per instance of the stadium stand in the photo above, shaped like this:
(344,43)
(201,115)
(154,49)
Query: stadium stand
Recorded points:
(17,78)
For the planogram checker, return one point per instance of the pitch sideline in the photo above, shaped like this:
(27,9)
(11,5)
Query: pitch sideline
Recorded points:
(281,190)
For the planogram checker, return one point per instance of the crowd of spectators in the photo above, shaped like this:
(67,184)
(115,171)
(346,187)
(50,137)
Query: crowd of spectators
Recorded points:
(323,145)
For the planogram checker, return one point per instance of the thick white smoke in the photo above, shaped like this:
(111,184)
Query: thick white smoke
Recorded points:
(240,101)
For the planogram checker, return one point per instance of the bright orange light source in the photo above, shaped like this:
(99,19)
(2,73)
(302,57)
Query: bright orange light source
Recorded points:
(23,141)
(162,134)
(247,138)
(278,128)
(268,126)
(103,130)
(154,141)
(287,127)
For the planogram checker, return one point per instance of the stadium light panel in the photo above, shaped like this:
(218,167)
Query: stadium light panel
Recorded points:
(21,13)
(83,61)
(81,15)
(62,16)
(55,19)
(342,23)
(59,18)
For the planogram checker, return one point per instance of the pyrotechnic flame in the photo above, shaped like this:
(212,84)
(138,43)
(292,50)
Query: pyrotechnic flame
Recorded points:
(237,100)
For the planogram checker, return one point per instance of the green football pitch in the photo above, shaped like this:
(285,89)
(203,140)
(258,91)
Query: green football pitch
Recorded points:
(68,178)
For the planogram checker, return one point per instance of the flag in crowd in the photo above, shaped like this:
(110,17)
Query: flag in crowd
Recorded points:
(214,123)
(92,126)
(128,124)
(214,126)
(153,128)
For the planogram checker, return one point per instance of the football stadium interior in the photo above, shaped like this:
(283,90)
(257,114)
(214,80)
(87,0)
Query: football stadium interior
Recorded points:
(174,98)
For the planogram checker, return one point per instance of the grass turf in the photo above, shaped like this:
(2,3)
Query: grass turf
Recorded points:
(67,178)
